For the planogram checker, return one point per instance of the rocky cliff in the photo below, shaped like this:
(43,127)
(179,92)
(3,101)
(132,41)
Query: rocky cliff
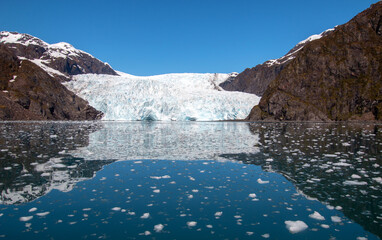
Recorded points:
(256,80)
(334,78)
(31,72)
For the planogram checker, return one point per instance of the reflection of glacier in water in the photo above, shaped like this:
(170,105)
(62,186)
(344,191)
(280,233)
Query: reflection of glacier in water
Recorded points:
(170,141)
(33,160)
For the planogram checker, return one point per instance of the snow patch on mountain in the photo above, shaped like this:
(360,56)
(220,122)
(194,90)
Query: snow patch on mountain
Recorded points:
(167,97)
(292,53)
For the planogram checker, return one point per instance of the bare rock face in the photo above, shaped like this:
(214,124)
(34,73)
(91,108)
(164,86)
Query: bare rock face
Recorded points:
(27,92)
(256,80)
(334,78)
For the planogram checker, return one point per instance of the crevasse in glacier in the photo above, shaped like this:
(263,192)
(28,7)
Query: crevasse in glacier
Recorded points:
(176,97)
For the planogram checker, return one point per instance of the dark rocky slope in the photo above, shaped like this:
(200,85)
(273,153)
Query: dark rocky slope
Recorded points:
(31,72)
(335,78)
(256,80)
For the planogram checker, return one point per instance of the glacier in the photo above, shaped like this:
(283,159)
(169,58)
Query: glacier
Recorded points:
(166,97)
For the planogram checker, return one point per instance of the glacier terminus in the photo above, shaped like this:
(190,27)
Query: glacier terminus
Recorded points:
(167,97)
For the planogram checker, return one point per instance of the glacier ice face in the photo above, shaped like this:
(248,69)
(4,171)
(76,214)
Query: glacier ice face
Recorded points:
(176,97)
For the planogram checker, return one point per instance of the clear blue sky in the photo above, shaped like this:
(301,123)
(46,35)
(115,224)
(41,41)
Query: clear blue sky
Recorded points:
(146,37)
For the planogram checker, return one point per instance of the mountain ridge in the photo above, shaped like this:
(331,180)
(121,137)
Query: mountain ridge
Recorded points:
(334,78)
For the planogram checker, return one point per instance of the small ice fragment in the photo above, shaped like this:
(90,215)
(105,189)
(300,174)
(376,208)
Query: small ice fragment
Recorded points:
(269,160)
(147,233)
(250,233)
(156,191)
(145,215)
(317,216)
(209,226)
(191,178)
(266,235)
(295,226)
(86,209)
(324,226)
(252,195)
(330,155)
(191,224)
(361,238)
(261,181)
(116,209)
(336,219)
(32,209)
(102,179)
(158,227)
(378,179)
(218,214)
(25,219)
(356,183)
(43,214)
(355,176)
(195,190)
(339,208)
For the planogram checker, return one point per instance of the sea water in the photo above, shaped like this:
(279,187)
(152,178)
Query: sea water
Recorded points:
(190,180)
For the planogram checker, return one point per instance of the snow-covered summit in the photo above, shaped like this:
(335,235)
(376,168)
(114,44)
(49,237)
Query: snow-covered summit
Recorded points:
(167,97)
(61,57)
(292,53)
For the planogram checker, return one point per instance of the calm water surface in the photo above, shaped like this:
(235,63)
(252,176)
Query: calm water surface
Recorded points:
(134,180)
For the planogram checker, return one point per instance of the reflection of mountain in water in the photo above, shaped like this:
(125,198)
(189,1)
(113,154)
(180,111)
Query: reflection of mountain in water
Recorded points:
(33,159)
(170,141)
(334,163)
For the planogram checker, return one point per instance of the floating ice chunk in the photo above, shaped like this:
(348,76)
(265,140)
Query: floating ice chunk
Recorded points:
(103,179)
(336,219)
(116,209)
(146,233)
(218,214)
(269,160)
(8,168)
(191,224)
(317,216)
(361,238)
(87,209)
(345,144)
(156,190)
(33,209)
(339,208)
(43,214)
(209,226)
(195,190)
(191,178)
(342,164)
(356,183)
(252,195)
(295,226)
(261,181)
(378,179)
(160,177)
(158,227)
(331,155)
(25,219)
(325,226)
(355,176)
(249,233)
(145,215)
(266,235)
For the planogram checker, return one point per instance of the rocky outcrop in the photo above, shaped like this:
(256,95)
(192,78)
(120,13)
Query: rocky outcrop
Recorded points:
(256,80)
(27,92)
(335,78)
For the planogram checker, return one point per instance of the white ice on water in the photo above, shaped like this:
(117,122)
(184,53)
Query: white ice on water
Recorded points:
(167,97)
